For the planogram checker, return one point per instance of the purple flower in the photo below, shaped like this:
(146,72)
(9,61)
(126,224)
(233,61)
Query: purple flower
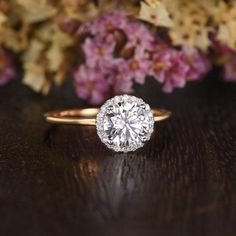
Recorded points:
(85,29)
(199,65)
(221,52)
(101,45)
(112,20)
(120,51)
(91,85)
(7,68)
(230,70)
(220,48)
(169,67)
(99,51)
(138,67)
(174,68)
(120,78)
(139,36)
(106,23)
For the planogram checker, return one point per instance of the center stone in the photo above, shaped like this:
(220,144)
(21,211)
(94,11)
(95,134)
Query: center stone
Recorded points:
(125,123)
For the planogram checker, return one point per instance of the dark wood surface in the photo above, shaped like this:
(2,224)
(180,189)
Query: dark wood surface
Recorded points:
(63,181)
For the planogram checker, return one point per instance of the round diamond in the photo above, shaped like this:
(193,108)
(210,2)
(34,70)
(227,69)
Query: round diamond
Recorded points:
(124,123)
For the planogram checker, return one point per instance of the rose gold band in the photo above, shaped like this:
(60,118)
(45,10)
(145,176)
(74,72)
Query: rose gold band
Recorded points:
(87,116)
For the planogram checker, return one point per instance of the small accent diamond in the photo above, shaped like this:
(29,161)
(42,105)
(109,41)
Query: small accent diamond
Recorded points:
(124,123)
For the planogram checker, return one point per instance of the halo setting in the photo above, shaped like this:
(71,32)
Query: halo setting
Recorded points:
(124,123)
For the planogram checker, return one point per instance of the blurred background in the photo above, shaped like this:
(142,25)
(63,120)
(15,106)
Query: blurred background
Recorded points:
(108,47)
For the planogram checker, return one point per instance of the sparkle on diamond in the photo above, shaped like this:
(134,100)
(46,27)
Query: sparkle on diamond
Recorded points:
(125,123)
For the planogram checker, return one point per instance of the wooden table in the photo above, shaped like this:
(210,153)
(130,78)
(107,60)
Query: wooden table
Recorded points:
(63,181)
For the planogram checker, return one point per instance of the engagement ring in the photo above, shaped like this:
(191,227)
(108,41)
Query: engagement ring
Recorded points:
(124,123)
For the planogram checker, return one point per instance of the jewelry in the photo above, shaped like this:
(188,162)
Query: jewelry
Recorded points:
(124,123)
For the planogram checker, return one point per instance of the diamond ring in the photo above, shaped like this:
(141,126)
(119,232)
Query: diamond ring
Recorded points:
(124,123)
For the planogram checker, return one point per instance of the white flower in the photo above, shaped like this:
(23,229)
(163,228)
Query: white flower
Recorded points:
(155,13)
(190,24)
(224,17)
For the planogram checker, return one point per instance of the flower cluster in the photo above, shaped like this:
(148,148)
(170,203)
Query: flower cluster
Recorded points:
(120,51)
(208,25)
(109,46)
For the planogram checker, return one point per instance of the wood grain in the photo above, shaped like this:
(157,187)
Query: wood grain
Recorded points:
(63,181)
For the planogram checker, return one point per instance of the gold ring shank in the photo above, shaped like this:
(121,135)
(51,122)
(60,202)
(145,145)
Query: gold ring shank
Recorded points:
(87,116)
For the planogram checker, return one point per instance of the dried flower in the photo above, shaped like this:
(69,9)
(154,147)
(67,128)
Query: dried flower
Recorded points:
(190,25)
(199,65)
(174,68)
(112,46)
(46,55)
(224,17)
(221,53)
(106,23)
(139,66)
(101,45)
(35,11)
(119,77)
(91,85)
(155,13)
(139,36)
(99,51)
(169,67)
